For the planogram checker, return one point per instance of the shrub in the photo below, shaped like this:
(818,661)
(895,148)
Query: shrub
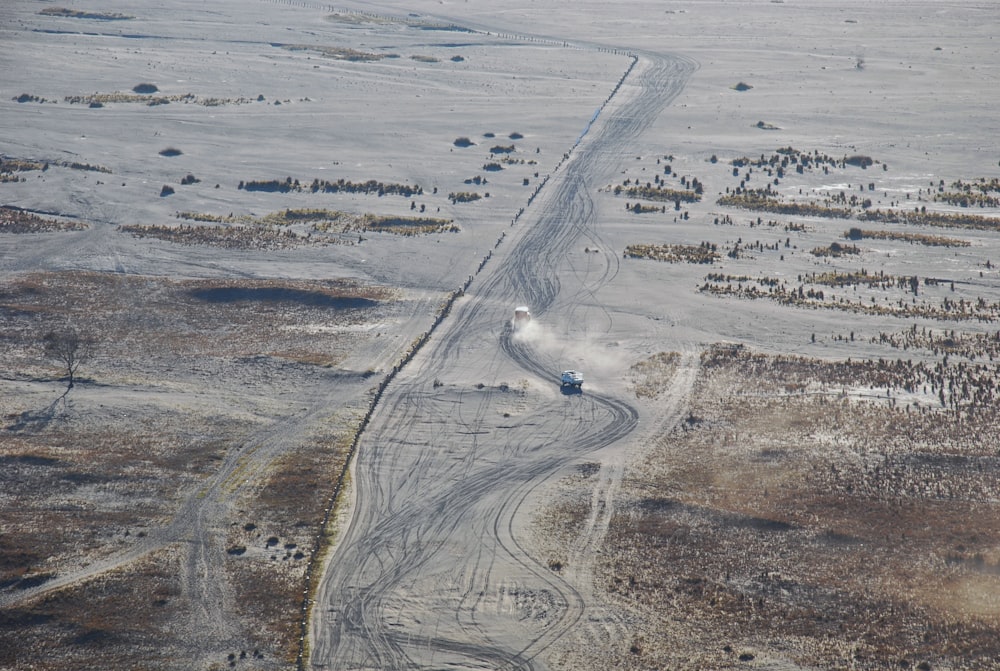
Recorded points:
(170,151)
(463,142)
(167,190)
(860,161)
(145,87)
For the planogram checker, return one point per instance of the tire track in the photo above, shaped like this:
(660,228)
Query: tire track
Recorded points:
(439,497)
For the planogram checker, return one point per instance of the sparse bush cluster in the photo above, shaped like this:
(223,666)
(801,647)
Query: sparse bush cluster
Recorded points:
(340,53)
(16,220)
(786,157)
(836,250)
(660,193)
(289,185)
(939,219)
(322,220)
(29,98)
(80,14)
(98,100)
(702,253)
(10,165)
(803,295)
(917,238)
(403,225)
(952,343)
(971,194)
(228,237)
(766,200)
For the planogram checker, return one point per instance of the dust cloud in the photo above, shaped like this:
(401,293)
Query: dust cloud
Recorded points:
(599,361)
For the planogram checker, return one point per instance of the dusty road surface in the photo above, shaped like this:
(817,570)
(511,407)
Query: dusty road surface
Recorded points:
(430,570)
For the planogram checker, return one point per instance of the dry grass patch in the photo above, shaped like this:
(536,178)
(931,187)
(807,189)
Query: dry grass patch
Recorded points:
(651,377)
(340,53)
(789,524)
(224,236)
(78,14)
(703,253)
(184,381)
(16,220)
(915,238)
(113,621)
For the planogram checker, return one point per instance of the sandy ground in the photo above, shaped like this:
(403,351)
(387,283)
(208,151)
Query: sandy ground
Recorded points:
(233,239)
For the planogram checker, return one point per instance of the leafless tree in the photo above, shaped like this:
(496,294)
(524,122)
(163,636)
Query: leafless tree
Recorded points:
(69,348)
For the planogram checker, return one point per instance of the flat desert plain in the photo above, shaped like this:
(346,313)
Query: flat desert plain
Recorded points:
(264,405)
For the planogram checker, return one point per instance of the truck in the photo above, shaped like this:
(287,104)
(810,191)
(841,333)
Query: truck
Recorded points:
(572,378)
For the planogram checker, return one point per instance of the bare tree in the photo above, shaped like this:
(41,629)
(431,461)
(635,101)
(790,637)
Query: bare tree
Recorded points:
(69,348)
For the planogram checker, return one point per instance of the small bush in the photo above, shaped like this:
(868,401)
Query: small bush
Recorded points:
(145,87)
(859,161)
(170,151)
(167,190)
(463,142)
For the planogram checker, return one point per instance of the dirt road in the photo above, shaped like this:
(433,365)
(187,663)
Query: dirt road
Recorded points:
(432,569)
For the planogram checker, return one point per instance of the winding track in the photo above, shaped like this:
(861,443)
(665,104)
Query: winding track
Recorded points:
(430,571)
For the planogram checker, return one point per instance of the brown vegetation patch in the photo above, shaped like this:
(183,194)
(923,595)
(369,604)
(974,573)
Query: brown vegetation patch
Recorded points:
(404,225)
(651,377)
(97,100)
(113,621)
(788,525)
(16,220)
(78,14)
(463,196)
(971,346)
(978,193)
(10,165)
(916,238)
(703,253)
(903,297)
(227,237)
(271,231)
(83,481)
(940,219)
(660,193)
(340,53)
(836,250)
(765,200)
(370,187)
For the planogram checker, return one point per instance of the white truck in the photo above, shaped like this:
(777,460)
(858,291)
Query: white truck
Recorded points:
(572,378)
